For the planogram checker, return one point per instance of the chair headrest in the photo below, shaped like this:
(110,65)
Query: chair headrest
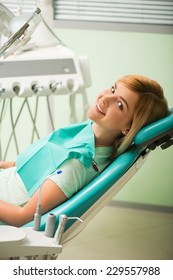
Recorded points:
(159,133)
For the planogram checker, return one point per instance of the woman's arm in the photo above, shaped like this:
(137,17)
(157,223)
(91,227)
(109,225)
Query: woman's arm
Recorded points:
(51,196)
(7,164)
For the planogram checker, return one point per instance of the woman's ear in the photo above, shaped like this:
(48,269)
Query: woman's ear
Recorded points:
(125,131)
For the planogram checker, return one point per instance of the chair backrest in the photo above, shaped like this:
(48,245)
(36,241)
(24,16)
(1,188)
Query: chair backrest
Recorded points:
(159,133)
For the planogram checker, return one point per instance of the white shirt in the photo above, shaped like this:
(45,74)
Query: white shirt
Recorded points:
(73,175)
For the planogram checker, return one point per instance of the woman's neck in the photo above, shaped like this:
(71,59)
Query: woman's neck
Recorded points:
(104,138)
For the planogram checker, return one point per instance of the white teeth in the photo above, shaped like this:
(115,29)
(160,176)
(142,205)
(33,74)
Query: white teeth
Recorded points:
(100,109)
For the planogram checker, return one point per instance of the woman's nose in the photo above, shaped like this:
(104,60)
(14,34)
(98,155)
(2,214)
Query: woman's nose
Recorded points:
(104,101)
(108,99)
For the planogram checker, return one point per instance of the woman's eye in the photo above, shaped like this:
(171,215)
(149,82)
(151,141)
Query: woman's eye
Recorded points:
(120,105)
(113,89)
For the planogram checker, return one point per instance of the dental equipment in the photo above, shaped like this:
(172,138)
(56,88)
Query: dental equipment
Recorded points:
(63,219)
(25,242)
(37,215)
(40,72)
(45,73)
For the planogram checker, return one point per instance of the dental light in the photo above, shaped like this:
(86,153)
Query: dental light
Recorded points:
(15,31)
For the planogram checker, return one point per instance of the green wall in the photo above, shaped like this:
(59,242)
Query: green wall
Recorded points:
(113,54)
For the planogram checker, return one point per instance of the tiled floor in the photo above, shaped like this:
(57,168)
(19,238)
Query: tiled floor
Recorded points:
(118,233)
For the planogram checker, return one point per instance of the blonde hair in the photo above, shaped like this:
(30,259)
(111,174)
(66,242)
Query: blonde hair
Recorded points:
(150,107)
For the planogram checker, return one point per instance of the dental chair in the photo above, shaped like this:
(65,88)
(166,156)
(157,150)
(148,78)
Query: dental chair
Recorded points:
(74,214)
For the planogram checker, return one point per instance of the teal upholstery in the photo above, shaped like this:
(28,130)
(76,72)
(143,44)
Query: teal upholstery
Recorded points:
(154,131)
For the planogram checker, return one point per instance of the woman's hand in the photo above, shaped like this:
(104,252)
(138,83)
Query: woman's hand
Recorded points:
(7,164)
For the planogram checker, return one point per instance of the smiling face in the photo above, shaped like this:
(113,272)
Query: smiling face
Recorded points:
(113,110)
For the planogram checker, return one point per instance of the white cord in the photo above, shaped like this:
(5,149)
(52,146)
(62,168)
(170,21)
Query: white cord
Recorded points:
(72,101)
(13,127)
(37,215)
(1,118)
(39,195)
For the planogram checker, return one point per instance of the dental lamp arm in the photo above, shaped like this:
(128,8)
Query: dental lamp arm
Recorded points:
(18,30)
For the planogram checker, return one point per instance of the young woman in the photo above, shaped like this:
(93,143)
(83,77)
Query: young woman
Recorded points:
(116,116)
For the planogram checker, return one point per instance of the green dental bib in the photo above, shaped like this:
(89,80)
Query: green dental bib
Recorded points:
(44,156)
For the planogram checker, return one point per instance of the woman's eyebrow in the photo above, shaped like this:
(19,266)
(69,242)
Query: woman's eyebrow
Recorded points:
(115,85)
(124,102)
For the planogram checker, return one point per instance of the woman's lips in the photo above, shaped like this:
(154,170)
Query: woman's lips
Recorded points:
(100,109)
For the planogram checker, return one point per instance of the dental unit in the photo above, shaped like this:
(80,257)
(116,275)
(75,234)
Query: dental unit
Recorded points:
(40,72)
